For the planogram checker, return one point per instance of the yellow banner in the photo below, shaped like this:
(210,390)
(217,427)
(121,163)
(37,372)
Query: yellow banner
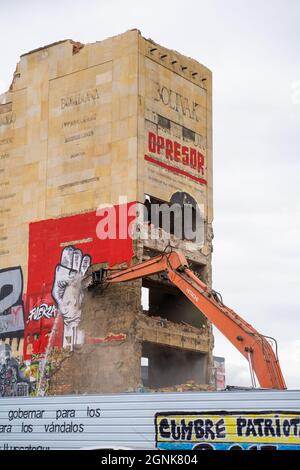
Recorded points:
(275,427)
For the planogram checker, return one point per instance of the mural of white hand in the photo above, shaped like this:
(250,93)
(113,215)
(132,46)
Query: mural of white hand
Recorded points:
(66,289)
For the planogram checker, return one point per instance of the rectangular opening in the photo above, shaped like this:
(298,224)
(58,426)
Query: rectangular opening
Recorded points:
(187,134)
(166,301)
(145,371)
(163,122)
(176,219)
(168,367)
(157,211)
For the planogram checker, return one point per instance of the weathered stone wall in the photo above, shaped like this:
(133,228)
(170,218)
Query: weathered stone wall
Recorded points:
(109,360)
(81,126)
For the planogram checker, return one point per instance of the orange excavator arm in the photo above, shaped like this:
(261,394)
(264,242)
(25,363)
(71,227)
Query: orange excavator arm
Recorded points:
(253,345)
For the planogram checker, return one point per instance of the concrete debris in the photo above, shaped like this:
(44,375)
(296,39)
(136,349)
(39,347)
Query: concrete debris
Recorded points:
(190,386)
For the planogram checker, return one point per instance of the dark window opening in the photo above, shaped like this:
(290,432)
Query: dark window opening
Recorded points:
(167,366)
(187,134)
(167,302)
(172,217)
(163,122)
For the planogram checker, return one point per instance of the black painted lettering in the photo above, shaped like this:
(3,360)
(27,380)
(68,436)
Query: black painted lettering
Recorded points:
(93,412)
(258,422)
(164,429)
(186,430)
(26,428)
(250,430)
(209,433)
(294,423)
(278,426)
(198,426)
(240,424)
(286,427)
(268,429)
(175,430)
(220,429)
(65,414)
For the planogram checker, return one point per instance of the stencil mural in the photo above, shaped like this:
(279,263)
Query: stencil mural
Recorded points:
(68,294)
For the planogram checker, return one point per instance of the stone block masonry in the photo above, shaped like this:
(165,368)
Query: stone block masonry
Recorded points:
(80,126)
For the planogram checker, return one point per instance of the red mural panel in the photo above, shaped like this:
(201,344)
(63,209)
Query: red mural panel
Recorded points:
(51,243)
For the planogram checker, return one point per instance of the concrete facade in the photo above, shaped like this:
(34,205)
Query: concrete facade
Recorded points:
(80,127)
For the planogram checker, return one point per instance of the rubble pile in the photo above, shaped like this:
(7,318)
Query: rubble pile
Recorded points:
(189,386)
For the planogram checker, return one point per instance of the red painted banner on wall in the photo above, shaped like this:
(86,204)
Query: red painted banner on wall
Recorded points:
(174,169)
(176,156)
(52,244)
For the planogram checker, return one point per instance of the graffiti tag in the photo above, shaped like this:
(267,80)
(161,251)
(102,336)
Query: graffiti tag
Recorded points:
(42,311)
(11,303)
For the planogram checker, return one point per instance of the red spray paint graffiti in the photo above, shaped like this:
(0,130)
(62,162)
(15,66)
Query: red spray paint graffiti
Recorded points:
(47,241)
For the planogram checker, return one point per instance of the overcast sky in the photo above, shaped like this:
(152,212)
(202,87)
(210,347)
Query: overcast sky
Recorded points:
(252,47)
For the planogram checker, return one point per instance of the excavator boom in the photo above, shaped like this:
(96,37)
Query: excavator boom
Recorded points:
(251,344)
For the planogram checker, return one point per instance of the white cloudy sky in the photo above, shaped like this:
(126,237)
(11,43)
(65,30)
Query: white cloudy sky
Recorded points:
(252,47)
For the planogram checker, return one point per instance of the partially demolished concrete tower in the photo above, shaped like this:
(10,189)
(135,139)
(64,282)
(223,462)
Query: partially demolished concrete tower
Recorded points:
(87,132)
